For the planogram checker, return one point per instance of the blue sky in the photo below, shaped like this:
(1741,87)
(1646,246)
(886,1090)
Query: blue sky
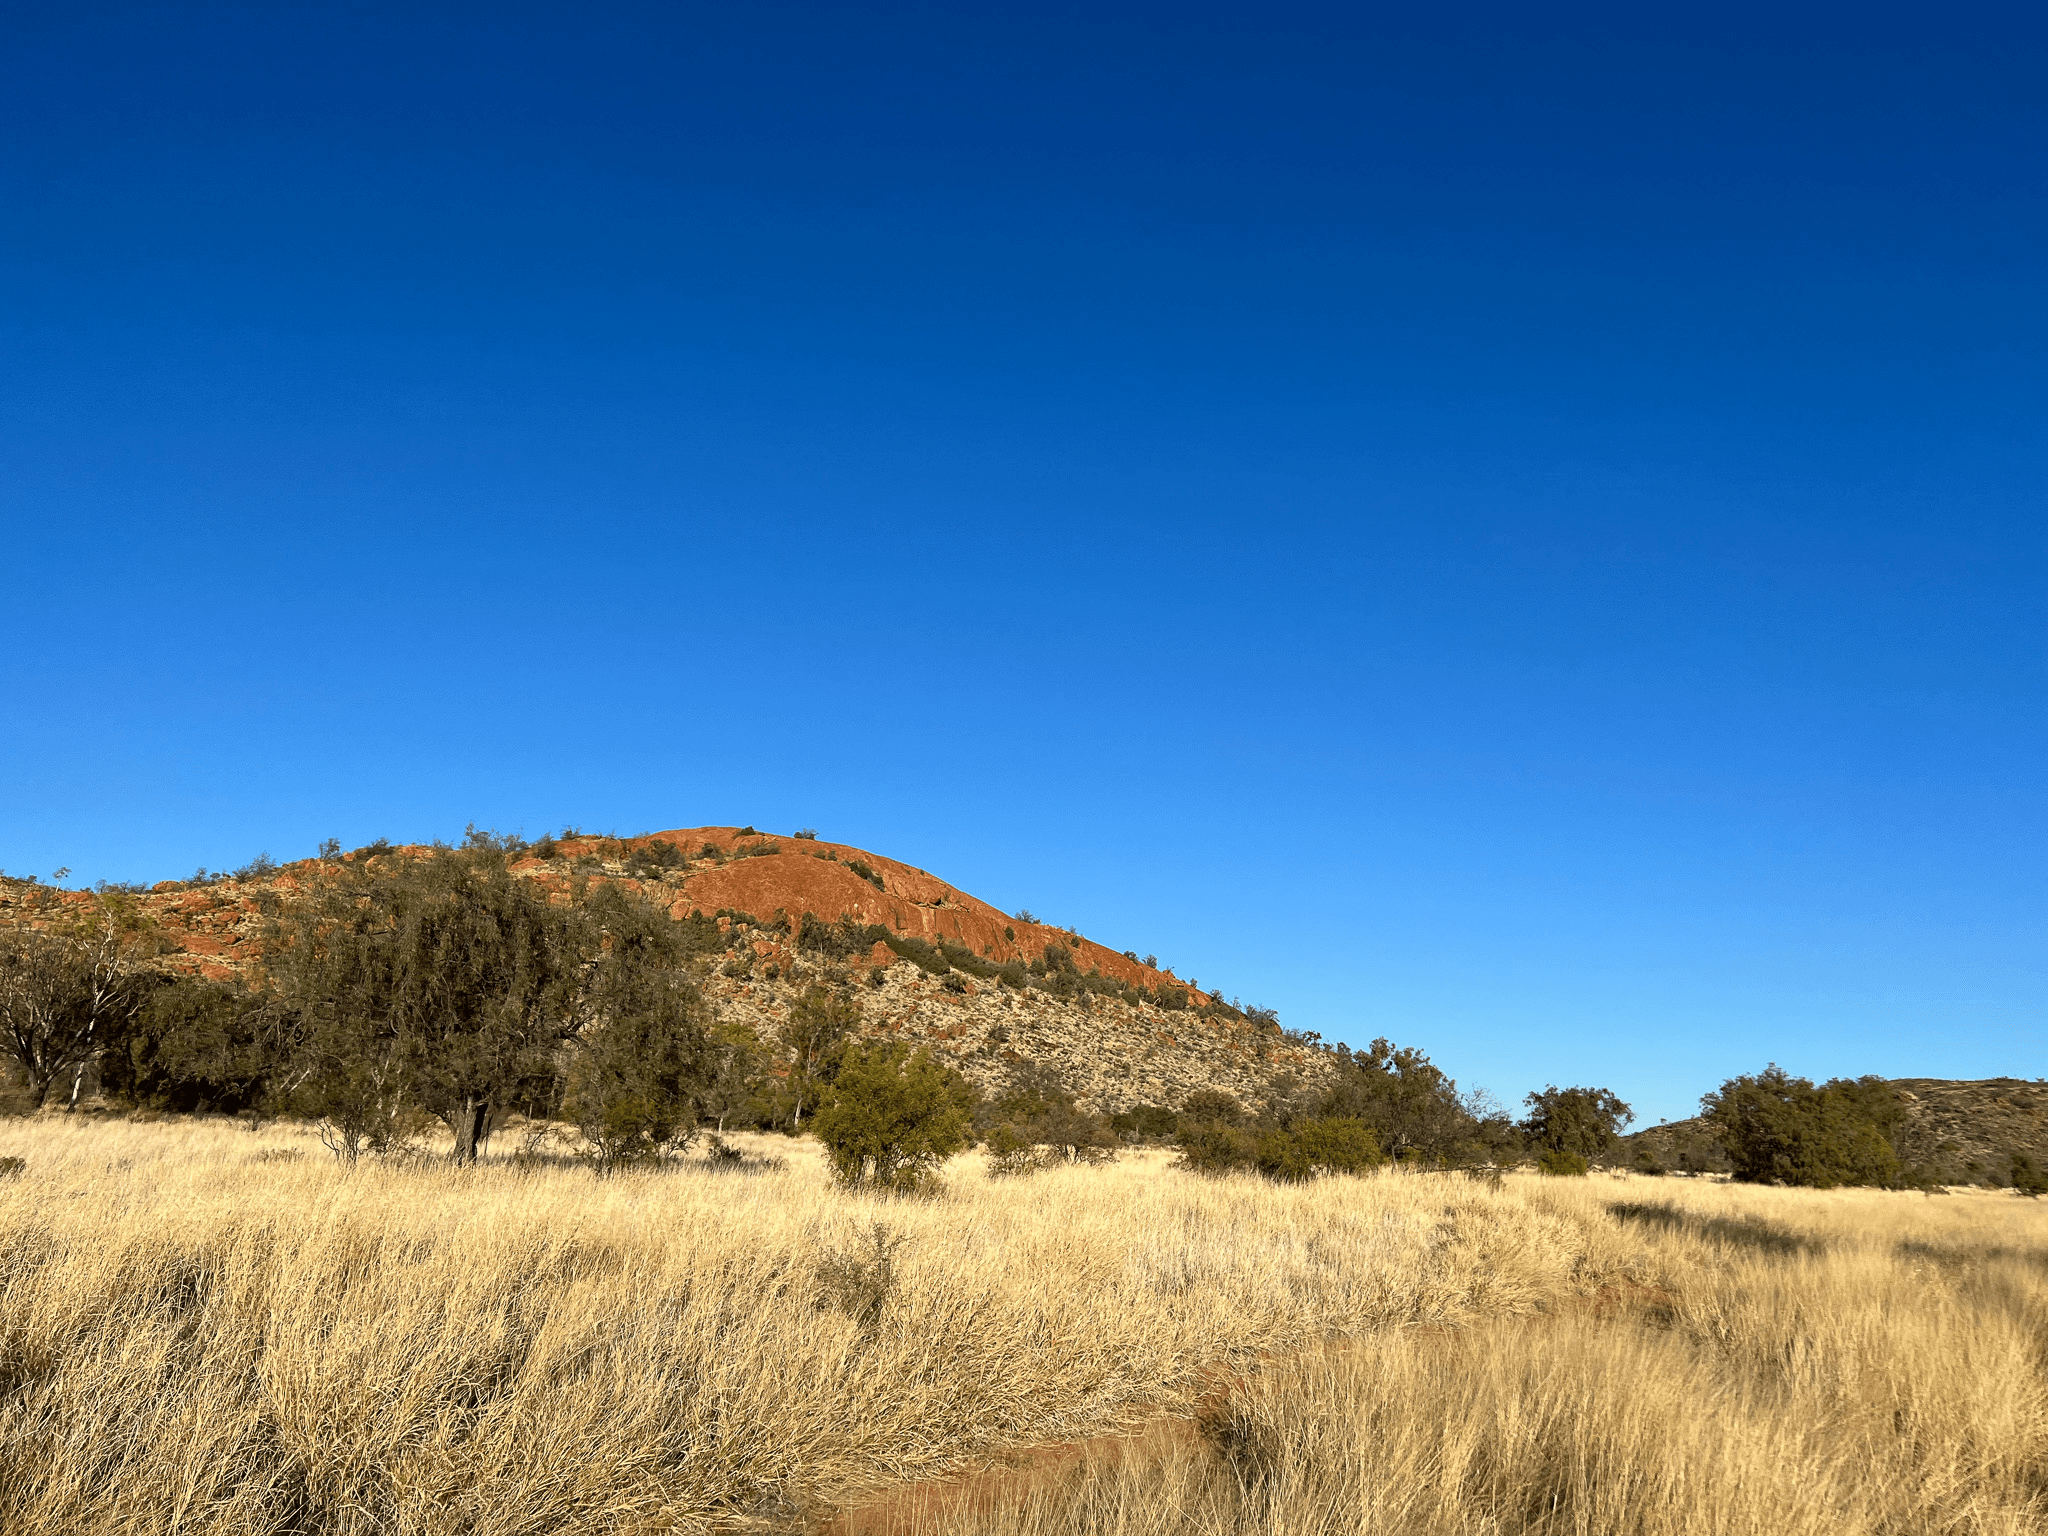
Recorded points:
(1519,533)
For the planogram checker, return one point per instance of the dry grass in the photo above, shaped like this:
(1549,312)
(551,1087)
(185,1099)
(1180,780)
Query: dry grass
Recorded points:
(208,1330)
(1787,1363)
(200,1332)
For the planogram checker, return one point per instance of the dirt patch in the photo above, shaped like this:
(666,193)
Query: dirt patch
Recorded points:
(922,1507)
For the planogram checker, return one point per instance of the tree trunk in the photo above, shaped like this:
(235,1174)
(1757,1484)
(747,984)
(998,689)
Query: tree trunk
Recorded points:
(470,1123)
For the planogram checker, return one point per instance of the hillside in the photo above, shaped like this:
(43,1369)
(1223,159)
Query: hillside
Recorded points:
(1965,1131)
(1115,1031)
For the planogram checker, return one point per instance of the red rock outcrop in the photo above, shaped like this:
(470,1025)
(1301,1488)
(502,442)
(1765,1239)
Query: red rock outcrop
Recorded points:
(1113,1050)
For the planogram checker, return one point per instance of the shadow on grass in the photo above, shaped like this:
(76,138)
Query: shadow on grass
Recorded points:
(1750,1232)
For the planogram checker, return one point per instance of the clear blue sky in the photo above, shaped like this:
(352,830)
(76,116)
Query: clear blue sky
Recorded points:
(1521,533)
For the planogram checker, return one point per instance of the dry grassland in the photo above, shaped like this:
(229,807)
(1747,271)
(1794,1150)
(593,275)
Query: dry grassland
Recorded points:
(208,1330)
(1785,1363)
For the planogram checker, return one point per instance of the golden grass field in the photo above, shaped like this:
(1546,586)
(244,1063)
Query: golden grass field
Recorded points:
(208,1329)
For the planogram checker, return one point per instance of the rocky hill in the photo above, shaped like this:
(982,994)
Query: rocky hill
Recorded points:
(1114,1030)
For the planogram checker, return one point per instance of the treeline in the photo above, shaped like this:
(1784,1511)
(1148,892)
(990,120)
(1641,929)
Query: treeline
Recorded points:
(392,988)
(1384,1104)
(1775,1128)
(398,988)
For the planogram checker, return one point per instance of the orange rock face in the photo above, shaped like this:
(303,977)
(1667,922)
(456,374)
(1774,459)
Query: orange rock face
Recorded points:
(217,923)
(816,877)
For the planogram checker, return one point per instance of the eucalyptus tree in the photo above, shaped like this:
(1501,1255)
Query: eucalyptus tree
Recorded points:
(439,978)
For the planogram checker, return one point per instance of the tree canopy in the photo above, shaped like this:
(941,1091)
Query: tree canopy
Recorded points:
(1575,1122)
(1781,1129)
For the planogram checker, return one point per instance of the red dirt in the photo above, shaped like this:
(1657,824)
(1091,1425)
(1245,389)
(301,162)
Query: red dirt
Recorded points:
(922,1507)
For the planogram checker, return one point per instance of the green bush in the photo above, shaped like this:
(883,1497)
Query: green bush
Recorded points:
(1214,1146)
(1311,1147)
(1012,1154)
(654,858)
(2028,1177)
(1780,1129)
(1145,1122)
(890,1119)
(1585,1121)
(1211,1104)
(1563,1165)
(1413,1109)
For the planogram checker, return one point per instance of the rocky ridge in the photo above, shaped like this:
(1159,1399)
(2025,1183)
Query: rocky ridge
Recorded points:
(1153,1039)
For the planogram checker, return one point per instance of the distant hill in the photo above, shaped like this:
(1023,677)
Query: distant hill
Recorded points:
(1965,1130)
(1114,1030)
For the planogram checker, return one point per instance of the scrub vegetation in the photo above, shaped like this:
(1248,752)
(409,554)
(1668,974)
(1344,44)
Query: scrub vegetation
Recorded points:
(316,1247)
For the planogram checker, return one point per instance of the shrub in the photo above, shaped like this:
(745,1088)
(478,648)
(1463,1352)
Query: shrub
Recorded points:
(806,834)
(655,857)
(860,1283)
(627,1130)
(1413,1109)
(262,867)
(1319,1146)
(634,1082)
(1563,1165)
(1039,1113)
(1026,915)
(1011,1155)
(889,1122)
(195,1045)
(866,873)
(2028,1177)
(1144,1122)
(1209,1104)
(836,941)
(1215,1146)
